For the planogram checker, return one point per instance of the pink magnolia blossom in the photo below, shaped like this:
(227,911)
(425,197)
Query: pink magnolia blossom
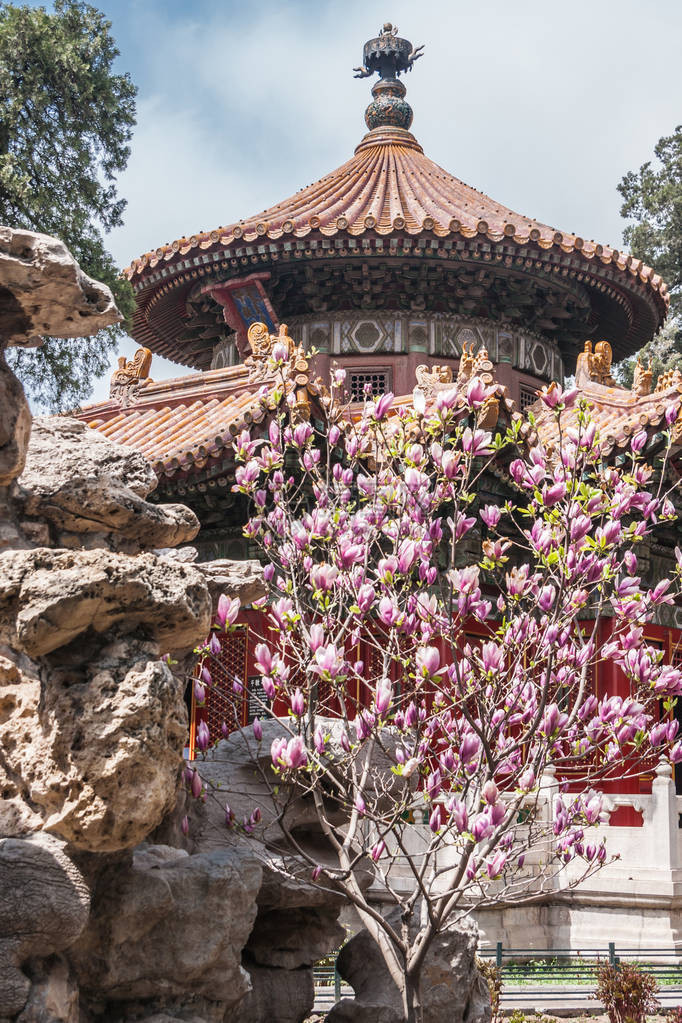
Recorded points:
(378,850)
(319,739)
(291,754)
(552,495)
(434,783)
(481,827)
(492,657)
(490,792)
(383,697)
(228,609)
(382,405)
(427,660)
(317,637)
(491,515)
(458,811)
(203,737)
(476,442)
(638,441)
(323,577)
(297,704)
(435,822)
(476,393)
(328,661)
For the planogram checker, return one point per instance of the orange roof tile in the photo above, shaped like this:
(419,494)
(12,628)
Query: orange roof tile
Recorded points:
(178,424)
(617,413)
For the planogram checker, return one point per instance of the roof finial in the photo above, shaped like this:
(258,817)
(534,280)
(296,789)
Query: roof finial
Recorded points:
(389,56)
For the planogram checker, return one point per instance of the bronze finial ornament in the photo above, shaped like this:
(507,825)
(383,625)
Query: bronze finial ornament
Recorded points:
(389,56)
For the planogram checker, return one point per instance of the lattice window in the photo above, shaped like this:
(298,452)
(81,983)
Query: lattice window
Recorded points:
(327,704)
(676,657)
(527,396)
(222,704)
(378,380)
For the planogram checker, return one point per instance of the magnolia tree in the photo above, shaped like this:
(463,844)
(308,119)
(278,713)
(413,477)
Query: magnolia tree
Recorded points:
(383,565)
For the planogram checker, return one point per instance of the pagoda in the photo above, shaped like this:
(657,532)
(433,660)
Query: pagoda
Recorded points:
(395,270)
(387,264)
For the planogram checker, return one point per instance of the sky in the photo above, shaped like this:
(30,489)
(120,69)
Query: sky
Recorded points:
(542,105)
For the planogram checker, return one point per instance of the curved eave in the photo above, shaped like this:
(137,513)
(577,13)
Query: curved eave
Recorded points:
(228,241)
(617,413)
(162,289)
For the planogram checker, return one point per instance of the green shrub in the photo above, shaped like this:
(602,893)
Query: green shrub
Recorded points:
(492,975)
(626,992)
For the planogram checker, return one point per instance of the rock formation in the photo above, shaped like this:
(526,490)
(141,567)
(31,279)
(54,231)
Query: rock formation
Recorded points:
(107,911)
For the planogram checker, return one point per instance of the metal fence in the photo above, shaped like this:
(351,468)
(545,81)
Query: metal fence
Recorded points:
(571,966)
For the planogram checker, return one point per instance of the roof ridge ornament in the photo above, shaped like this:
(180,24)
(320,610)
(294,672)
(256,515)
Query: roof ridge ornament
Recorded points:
(389,56)
(130,376)
(594,367)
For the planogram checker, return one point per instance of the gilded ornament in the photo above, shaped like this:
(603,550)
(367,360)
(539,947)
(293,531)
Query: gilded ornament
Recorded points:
(130,376)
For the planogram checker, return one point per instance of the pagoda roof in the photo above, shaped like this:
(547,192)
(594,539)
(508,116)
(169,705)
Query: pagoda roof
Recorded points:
(389,186)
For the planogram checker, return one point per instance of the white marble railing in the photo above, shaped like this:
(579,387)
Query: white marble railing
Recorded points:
(655,846)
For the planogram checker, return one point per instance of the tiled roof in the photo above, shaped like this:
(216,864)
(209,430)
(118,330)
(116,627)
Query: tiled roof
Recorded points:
(186,424)
(617,413)
(390,186)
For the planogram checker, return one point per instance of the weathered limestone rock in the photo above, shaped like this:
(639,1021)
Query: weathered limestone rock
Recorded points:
(170,925)
(96,760)
(229,767)
(44,292)
(93,722)
(44,904)
(452,989)
(49,598)
(93,494)
(15,425)
(289,939)
(54,993)
(283,995)
(243,579)
(297,921)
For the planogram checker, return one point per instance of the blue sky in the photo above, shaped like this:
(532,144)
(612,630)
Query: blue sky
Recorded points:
(543,105)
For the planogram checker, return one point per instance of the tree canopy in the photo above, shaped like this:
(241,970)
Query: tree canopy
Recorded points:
(652,201)
(65,123)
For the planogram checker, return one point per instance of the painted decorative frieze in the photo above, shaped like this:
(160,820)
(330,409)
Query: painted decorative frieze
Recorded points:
(436,334)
